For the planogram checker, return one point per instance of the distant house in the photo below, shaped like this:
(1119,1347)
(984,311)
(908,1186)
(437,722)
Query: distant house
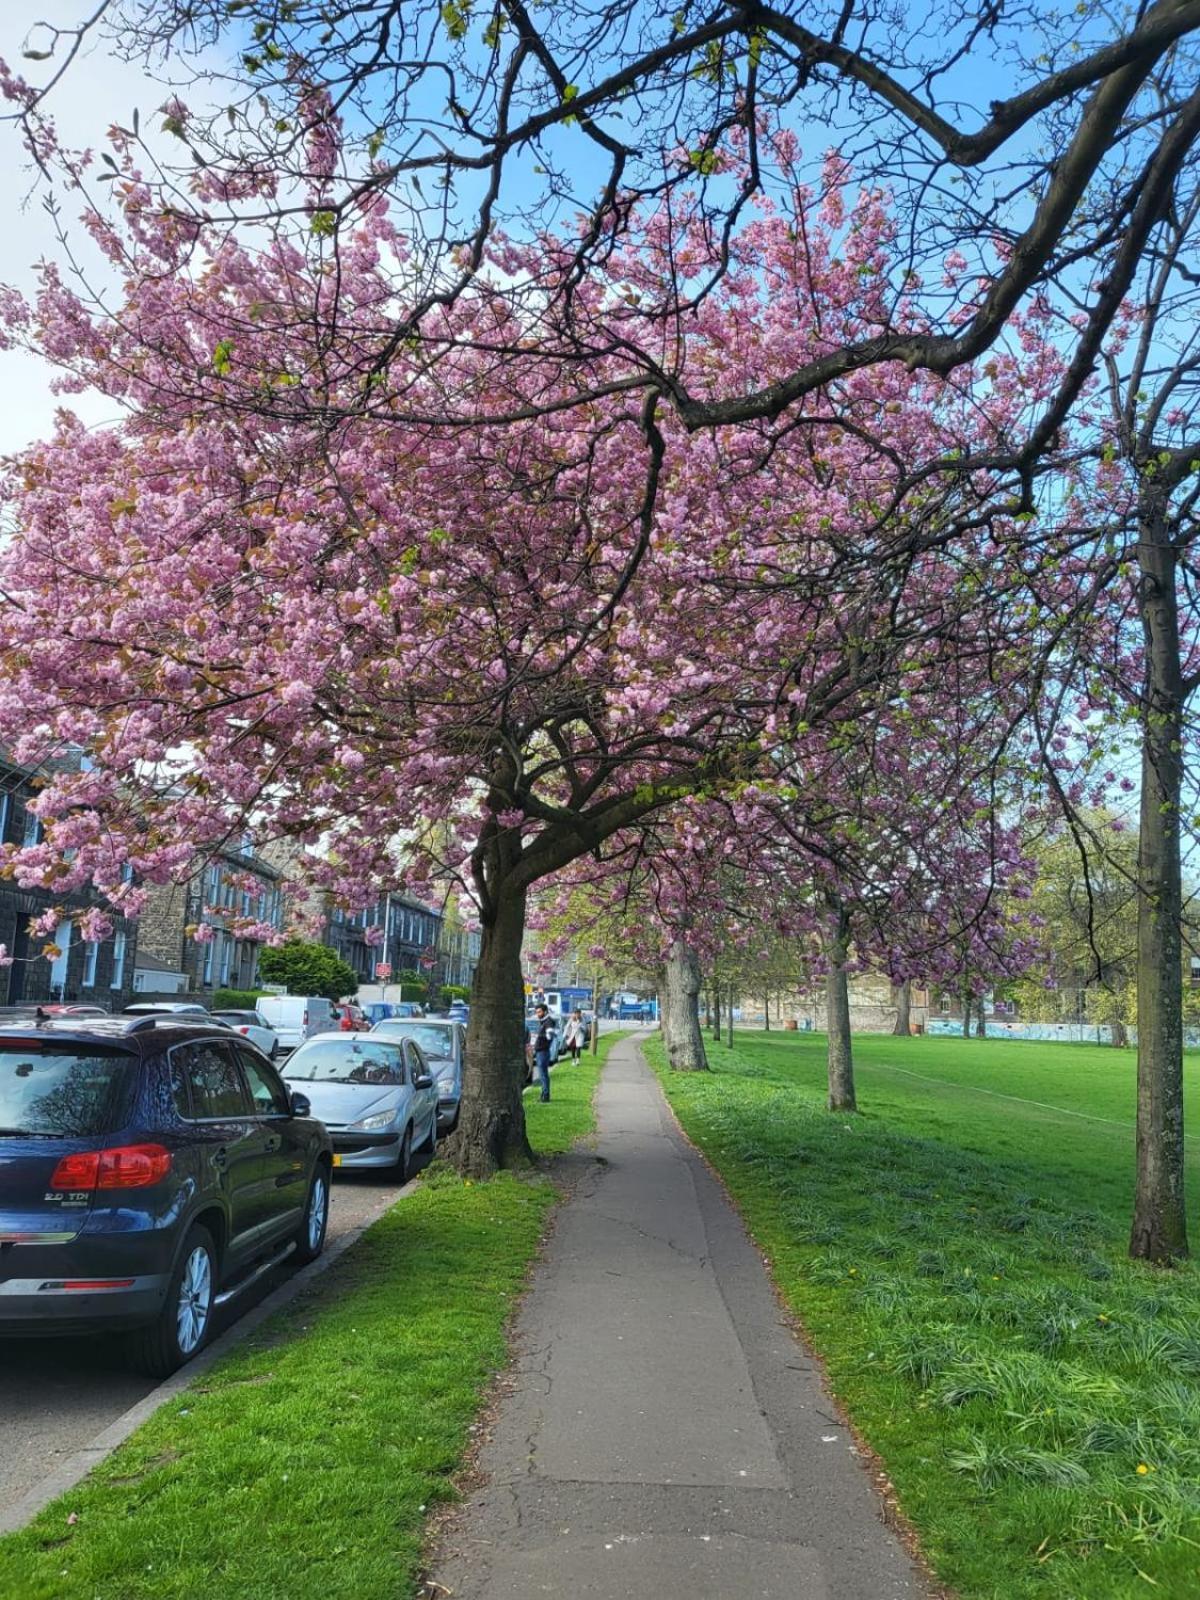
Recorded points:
(152,976)
(100,972)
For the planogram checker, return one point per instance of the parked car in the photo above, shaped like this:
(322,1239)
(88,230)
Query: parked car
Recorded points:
(377,1097)
(164,1008)
(73,1009)
(251,1026)
(352,1018)
(151,1168)
(296,1017)
(459,1010)
(443,1044)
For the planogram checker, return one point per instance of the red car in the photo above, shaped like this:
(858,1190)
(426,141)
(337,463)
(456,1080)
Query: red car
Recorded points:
(351,1018)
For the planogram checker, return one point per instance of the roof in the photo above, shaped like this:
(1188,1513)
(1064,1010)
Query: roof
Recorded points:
(149,963)
(140,1034)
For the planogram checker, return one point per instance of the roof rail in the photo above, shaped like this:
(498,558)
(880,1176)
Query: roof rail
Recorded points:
(140,1024)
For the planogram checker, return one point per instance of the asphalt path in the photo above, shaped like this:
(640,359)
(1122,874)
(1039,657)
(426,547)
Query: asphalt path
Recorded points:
(56,1395)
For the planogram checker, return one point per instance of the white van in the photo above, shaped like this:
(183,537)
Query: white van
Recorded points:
(295,1017)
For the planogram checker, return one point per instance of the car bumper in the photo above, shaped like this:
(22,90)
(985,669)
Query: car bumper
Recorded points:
(365,1149)
(447,1114)
(66,1303)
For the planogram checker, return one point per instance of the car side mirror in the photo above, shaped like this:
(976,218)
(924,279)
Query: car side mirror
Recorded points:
(301,1105)
(423,1080)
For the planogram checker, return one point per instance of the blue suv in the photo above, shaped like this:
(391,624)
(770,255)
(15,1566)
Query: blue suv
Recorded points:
(151,1168)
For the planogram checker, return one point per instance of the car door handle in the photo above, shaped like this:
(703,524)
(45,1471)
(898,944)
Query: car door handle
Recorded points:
(272,1144)
(220,1159)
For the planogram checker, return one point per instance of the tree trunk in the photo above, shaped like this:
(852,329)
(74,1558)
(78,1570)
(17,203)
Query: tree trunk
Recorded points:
(837,1008)
(664,1007)
(491,1124)
(1159,1231)
(681,995)
(729,1016)
(903,1009)
(1120,1037)
(716,1016)
(966,1008)
(980,1020)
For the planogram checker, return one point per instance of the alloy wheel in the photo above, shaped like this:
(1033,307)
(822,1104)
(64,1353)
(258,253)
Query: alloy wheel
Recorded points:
(195,1300)
(318,1202)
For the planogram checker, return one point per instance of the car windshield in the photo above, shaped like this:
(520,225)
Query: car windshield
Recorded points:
(360,1060)
(69,1091)
(433,1040)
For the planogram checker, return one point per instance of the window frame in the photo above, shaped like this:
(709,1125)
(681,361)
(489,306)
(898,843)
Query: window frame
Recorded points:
(225,1048)
(247,1059)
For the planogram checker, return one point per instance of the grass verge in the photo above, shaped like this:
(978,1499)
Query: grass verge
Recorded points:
(1034,1396)
(303,1464)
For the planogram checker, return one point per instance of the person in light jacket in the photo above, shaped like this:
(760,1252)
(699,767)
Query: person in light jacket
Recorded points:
(575,1035)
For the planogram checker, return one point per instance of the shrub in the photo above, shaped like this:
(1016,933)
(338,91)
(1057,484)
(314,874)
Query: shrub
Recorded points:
(236,999)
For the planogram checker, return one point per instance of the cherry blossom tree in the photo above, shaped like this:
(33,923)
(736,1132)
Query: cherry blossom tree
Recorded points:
(494,646)
(496,121)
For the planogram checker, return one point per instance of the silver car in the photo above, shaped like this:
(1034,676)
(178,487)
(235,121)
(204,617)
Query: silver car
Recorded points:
(442,1041)
(376,1096)
(251,1026)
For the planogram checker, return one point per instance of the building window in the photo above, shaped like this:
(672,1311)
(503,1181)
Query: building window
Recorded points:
(945,1005)
(118,972)
(58,967)
(89,965)
(4,805)
(33,830)
(208,961)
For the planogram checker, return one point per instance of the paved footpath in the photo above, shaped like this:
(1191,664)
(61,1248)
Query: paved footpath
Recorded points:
(667,1435)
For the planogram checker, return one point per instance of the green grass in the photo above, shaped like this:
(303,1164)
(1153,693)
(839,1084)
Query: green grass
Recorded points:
(958,1260)
(303,1464)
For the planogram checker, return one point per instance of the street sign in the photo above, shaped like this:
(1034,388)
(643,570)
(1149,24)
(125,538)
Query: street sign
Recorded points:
(383,969)
(273,988)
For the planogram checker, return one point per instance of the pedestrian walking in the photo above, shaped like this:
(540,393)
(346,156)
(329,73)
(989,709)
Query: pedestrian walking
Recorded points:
(543,1043)
(575,1035)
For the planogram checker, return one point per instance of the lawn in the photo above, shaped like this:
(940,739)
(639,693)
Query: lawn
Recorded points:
(956,1253)
(303,1464)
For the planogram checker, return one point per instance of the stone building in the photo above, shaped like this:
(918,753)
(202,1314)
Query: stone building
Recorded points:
(236,884)
(100,973)
(410,938)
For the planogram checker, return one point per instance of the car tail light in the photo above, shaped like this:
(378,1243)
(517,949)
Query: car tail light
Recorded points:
(243,1030)
(127,1166)
(95,1283)
(305,1022)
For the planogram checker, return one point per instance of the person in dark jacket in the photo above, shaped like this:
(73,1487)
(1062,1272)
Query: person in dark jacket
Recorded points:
(543,1043)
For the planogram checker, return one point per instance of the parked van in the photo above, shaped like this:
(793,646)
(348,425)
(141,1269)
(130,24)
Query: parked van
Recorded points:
(295,1017)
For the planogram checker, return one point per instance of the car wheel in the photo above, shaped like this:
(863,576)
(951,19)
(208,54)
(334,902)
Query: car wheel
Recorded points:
(404,1159)
(310,1237)
(182,1326)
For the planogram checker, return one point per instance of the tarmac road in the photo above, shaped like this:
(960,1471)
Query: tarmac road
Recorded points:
(56,1395)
